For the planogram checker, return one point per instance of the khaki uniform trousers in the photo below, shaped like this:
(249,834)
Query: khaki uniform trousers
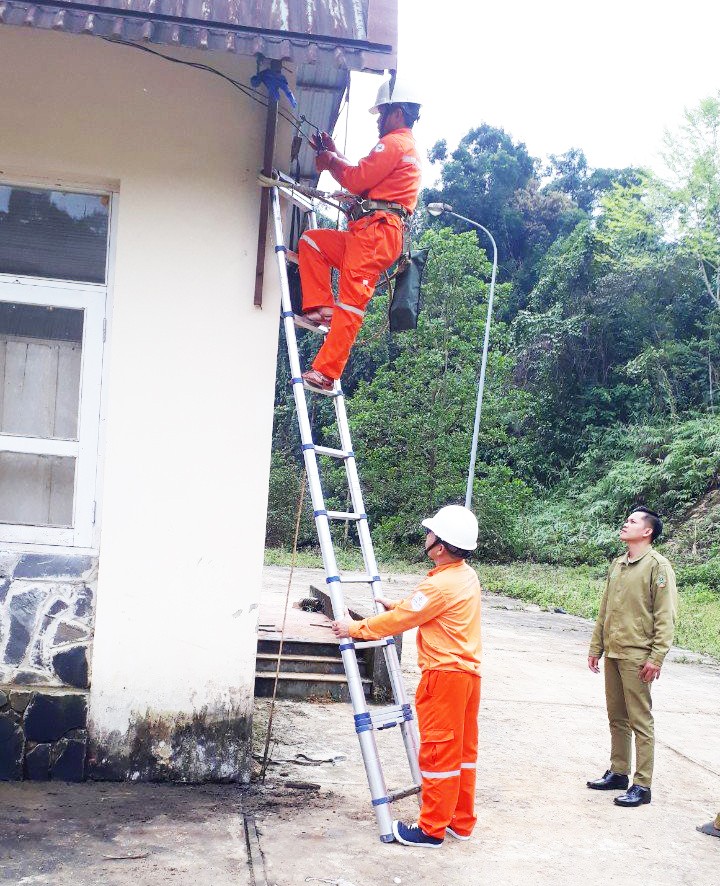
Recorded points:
(629,708)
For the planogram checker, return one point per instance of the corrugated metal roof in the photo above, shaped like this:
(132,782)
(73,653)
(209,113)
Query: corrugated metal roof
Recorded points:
(319,92)
(325,39)
(355,34)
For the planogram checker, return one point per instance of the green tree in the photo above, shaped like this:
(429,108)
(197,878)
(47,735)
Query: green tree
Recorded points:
(693,157)
(479,179)
(412,422)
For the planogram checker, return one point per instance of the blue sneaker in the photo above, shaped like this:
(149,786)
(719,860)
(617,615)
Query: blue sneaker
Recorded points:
(414,835)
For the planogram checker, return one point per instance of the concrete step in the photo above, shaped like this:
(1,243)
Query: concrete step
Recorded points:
(319,664)
(270,645)
(332,687)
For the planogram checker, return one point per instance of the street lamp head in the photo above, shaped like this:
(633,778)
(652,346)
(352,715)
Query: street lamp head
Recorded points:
(438,208)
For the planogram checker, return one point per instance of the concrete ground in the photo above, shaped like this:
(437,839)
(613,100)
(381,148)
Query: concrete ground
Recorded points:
(543,734)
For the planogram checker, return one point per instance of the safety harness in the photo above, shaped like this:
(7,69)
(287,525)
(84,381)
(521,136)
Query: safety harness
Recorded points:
(361,207)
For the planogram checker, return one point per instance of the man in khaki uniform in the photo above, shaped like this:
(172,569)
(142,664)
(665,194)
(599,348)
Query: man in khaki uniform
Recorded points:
(634,630)
(712,828)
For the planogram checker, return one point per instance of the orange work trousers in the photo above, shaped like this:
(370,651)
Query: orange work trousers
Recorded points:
(368,247)
(447,704)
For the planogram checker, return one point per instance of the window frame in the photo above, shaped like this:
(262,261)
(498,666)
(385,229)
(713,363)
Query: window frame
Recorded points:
(93,299)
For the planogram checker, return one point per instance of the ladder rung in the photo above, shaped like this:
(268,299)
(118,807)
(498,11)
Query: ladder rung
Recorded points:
(384,718)
(373,644)
(357,578)
(335,453)
(295,197)
(406,792)
(301,321)
(345,515)
(313,390)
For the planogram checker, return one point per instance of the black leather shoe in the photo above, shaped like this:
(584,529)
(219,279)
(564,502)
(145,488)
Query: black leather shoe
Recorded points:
(636,796)
(611,781)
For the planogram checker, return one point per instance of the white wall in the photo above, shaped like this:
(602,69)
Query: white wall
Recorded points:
(191,362)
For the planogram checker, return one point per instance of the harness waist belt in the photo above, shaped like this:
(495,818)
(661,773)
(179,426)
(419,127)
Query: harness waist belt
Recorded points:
(367,207)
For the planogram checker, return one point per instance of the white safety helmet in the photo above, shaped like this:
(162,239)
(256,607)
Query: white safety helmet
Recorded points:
(456,525)
(398,94)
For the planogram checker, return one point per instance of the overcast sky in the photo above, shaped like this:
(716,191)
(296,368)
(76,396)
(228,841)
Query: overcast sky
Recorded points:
(607,76)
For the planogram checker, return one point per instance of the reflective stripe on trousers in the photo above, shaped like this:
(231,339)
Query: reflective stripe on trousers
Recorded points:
(447,704)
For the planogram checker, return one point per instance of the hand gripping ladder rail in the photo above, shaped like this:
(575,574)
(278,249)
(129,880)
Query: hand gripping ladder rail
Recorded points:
(367,721)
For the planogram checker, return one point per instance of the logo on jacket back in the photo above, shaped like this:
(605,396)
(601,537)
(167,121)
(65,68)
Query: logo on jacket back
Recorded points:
(379,147)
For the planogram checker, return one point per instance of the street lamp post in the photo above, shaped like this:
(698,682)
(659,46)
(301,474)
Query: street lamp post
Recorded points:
(438,209)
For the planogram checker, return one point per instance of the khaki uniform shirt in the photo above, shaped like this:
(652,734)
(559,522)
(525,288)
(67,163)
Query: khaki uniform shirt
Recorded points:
(638,610)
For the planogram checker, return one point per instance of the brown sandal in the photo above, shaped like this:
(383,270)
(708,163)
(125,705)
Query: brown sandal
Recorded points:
(321,316)
(318,382)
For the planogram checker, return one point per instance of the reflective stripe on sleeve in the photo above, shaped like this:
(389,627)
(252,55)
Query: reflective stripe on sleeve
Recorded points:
(468,765)
(310,241)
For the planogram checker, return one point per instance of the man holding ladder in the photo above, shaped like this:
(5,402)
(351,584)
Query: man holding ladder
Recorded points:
(445,608)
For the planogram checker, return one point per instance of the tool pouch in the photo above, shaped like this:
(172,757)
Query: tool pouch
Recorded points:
(405,304)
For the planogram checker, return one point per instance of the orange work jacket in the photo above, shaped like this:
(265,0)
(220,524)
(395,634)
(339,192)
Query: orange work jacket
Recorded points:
(445,608)
(391,171)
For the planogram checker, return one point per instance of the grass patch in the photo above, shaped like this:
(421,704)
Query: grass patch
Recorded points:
(350,559)
(577,589)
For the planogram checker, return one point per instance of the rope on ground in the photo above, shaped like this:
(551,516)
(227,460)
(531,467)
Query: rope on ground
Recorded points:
(298,517)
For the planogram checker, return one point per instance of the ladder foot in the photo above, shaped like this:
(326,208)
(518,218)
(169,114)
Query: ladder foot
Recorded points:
(387,838)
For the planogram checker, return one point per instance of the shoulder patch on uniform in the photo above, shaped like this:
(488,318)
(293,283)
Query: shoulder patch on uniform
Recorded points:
(379,147)
(418,601)
(661,580)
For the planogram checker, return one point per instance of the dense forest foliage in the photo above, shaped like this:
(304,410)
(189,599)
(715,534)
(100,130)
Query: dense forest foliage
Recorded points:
(604,367)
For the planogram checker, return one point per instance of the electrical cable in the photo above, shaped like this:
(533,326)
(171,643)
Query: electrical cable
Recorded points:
(248,91)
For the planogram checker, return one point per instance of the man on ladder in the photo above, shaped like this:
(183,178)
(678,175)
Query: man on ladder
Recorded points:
(445,608)
(387,183)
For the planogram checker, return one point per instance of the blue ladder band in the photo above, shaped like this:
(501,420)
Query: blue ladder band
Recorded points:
(390,641)
(308,446)
(296,381)
(363,517)
(407,712)
(387,838)
(376,578)
(332,578)
(287,314)
(319,513)
(381,801)
(363,723)
(350,454)
(281,249)
(344,646)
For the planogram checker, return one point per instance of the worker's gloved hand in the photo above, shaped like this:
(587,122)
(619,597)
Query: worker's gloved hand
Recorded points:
(324,160)
(327,143)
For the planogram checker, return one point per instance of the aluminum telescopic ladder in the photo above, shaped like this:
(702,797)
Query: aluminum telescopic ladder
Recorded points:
(368,721)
